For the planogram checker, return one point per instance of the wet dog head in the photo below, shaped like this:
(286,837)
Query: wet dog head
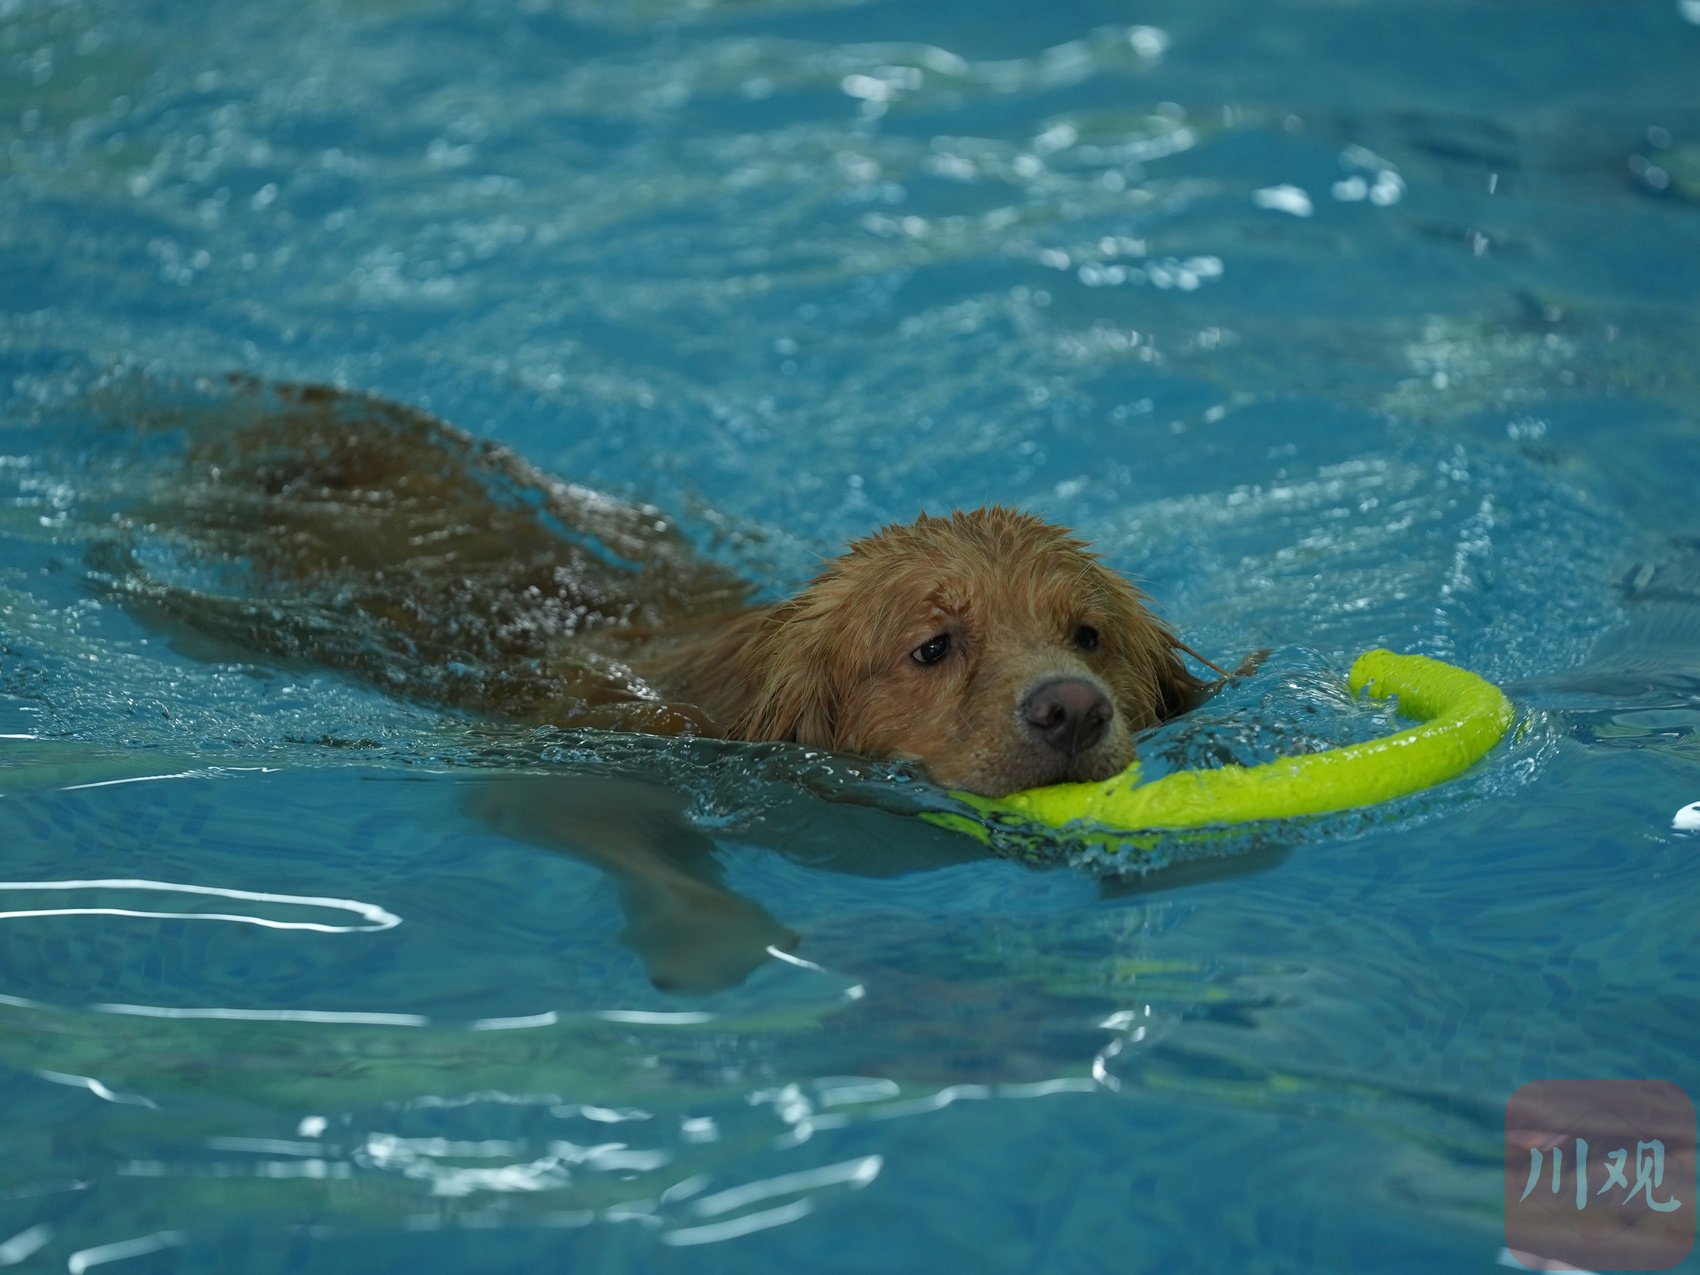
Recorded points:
(990,647)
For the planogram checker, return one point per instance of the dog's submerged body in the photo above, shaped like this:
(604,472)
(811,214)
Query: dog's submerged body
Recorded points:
(990,648)
(314,526)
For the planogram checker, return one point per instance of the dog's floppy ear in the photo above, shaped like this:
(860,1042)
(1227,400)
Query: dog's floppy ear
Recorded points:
(1152,684)
(1178,688)
(768,675)
(792,678)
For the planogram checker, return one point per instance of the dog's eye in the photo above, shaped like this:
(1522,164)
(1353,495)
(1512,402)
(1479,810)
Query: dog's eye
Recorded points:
(1086,638)
(932,650)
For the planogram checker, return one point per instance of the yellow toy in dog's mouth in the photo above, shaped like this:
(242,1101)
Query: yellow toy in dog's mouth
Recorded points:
(1460,718)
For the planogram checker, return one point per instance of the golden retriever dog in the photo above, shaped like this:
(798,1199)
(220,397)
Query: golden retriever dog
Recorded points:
(989,648)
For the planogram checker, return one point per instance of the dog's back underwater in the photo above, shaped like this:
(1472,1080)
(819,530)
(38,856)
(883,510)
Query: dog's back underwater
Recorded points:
(316,526)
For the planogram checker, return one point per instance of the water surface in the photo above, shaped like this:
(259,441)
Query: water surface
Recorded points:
(1336,324)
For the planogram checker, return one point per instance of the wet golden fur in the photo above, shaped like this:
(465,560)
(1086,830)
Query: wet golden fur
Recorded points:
(371,537)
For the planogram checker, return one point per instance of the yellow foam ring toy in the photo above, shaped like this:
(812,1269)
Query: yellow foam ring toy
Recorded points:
(1460,717)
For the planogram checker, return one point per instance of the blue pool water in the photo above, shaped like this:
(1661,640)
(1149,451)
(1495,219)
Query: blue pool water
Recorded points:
(1337,324)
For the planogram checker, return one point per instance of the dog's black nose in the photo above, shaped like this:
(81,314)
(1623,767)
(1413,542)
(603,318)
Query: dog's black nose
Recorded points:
(1068,713)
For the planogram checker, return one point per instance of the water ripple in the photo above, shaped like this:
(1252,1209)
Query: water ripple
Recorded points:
(376,917)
